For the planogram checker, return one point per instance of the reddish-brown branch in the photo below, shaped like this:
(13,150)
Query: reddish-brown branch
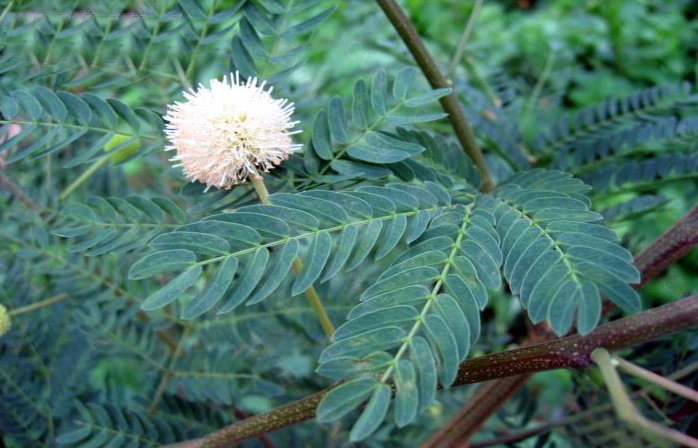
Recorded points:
(673,244)
(242,415)
(569,352)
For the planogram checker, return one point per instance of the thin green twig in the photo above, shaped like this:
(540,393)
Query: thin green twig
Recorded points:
(167,376)
(467,32)
(7,9)
(83,177)
(38,305)
(624,406)
(658,380)
(538,88)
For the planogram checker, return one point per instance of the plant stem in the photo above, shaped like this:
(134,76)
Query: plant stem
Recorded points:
(264,439)
(673,244)
(261,189)
(167,376)
(624,406)
(450,104)
(83,177)
(591,414)
(538,88)
(465,37)
(7,9)
(569,352)
(665,383)
(17,192)
(38,305)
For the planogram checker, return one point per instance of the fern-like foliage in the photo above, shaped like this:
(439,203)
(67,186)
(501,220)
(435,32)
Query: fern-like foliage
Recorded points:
(44,364)
(353,142)
(420,318)
(260,243)
(442,161)
(433,292)
(633,208)
(115,225)
(593,132)
(269,37)
(556,256)
(122,427)
(51,121)
(644,174)
(379,214)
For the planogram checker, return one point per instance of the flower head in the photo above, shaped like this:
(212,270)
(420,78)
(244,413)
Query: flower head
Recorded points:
(230,131)
(5,321)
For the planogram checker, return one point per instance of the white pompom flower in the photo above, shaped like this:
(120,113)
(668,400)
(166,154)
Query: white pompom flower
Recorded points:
(229,132)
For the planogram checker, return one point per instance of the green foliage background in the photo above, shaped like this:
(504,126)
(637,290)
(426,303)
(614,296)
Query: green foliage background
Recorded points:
(134,352)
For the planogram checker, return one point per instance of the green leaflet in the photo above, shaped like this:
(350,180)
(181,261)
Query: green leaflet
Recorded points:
(381,148)
(364,343)
(408,295)
(214,291)
(248,280)
(386,316)
(425,363)
(243,226)
(452,314)
(373,414)
(276,274)
(197,242)
(337,368)
(317,257)
(342,252)
(406,393)
(392,233)
(344,398)
(368,239)
(172,290)
(115,225)
(443,341)
(236,235)
(160,262)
